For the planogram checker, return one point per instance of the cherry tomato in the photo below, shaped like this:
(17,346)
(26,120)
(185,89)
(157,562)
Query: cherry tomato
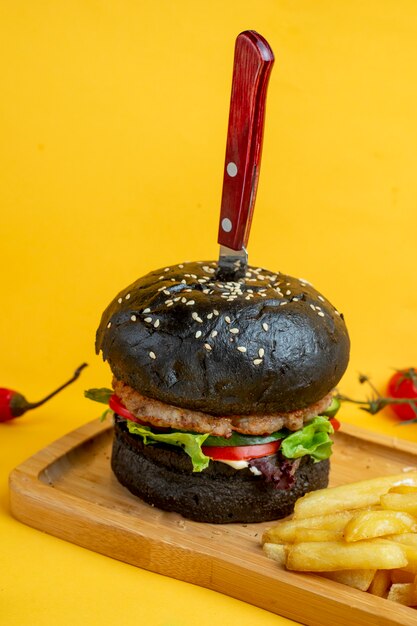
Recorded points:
(403,384)
(241,453)
(118,407)
(335,423)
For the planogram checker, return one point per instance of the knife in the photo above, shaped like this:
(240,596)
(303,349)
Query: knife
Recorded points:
(252,66)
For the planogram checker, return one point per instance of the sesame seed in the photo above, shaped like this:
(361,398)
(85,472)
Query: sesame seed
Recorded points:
(321,298)
(227,319)
(206,290)
(234,331)
(320,313)
(257,361)
(337,312)
(312,307)
(283,303)
(161,277)
(215,312)
(190,302)
(198,334)
(166,292)
(241,348)
(194,315)
(161,288)
(183,300)
(207,346)
(183,282)
(109,325)
(152,355)
(148,319)
(261,352)
(177,298)
(288,292)
(265,326)
(120,300)
(295,299)
(247,297)
(214,333)
(181,265)
(146,311)
(168,301)
(166,269)
(156,324)
(133,318)
(209,316)
(127,296)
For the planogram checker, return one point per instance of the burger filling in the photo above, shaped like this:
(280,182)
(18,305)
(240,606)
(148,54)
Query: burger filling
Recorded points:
(163,415)
(273,454)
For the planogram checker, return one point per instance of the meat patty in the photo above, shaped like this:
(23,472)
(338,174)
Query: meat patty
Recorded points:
(164,415)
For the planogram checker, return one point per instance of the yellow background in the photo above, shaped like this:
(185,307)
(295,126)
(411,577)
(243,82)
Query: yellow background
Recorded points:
(113,122)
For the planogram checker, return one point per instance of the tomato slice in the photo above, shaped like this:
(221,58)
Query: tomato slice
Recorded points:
(118,407)
(241,453)
(335,423)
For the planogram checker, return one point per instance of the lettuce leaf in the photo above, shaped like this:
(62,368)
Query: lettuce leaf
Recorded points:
(313,440)
(99,395)
(190,443)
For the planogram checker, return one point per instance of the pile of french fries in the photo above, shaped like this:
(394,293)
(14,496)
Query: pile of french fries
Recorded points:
(361,534)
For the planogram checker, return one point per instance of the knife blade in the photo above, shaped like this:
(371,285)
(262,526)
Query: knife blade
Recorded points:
(253,60)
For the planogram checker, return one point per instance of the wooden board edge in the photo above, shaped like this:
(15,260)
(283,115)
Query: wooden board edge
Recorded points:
(366,435)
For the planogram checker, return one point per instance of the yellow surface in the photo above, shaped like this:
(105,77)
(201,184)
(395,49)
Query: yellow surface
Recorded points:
(113,122)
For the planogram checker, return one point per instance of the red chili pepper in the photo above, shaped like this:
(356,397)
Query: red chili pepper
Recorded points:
(13,404)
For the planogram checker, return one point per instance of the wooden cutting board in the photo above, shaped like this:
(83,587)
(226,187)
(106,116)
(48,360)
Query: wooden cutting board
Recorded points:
(68,490)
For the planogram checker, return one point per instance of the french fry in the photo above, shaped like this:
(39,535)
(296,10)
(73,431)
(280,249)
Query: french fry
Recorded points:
(357,578)
(277,552)
(365,536)
(285,532)
(317,534)
(352,496)
(400,576)
(338,555)
(369,524)
(380,583)
(403,593)
(409,538)
(411,554)
(403,489)
(400,502)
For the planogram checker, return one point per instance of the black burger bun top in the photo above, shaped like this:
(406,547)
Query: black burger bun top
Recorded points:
(268,343)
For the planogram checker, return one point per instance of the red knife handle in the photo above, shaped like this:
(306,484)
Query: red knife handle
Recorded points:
(252,67)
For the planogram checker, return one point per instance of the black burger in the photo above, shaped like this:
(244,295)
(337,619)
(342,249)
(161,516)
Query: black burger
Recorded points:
(222,391)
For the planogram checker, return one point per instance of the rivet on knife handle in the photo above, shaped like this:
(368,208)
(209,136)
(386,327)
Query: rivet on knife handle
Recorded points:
(252,66)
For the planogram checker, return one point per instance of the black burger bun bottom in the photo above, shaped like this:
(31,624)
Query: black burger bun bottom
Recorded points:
(162,476)
(268,343)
